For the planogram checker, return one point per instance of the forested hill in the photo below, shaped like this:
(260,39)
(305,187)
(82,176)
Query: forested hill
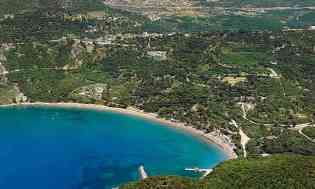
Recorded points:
(277,172)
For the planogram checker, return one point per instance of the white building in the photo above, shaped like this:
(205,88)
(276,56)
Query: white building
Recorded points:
(311,28)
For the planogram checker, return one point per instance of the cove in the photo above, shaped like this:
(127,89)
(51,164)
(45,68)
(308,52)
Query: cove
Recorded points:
(72,148)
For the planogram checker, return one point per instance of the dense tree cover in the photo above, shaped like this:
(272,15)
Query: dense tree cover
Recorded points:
(14,6)
(43,28)
(170,182)
(52,20)
(275,172)
(289,142)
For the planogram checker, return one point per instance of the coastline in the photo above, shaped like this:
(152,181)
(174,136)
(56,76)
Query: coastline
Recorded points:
(207,137)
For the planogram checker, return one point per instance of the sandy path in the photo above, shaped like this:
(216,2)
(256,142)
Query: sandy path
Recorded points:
(244,138)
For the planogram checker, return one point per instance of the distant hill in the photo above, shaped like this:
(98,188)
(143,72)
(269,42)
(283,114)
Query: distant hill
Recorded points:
(186,15)
(161,7)
(223,15)
(275,172)
(198,7)
(18,6)
(261,3)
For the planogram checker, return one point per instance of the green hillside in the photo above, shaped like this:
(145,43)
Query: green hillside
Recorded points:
(276,172)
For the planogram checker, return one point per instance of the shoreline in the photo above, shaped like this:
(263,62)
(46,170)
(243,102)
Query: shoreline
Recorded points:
(206,137)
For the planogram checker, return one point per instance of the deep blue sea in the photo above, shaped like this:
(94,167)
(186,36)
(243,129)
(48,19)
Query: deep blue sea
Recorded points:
(68,148)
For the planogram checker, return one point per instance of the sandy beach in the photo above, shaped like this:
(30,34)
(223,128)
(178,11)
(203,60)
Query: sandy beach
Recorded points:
(207,137)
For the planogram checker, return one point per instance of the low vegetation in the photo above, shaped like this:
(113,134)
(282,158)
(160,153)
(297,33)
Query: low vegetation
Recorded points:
(309,131)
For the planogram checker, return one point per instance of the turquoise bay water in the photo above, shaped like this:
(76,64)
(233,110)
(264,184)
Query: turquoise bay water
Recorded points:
(45,147)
